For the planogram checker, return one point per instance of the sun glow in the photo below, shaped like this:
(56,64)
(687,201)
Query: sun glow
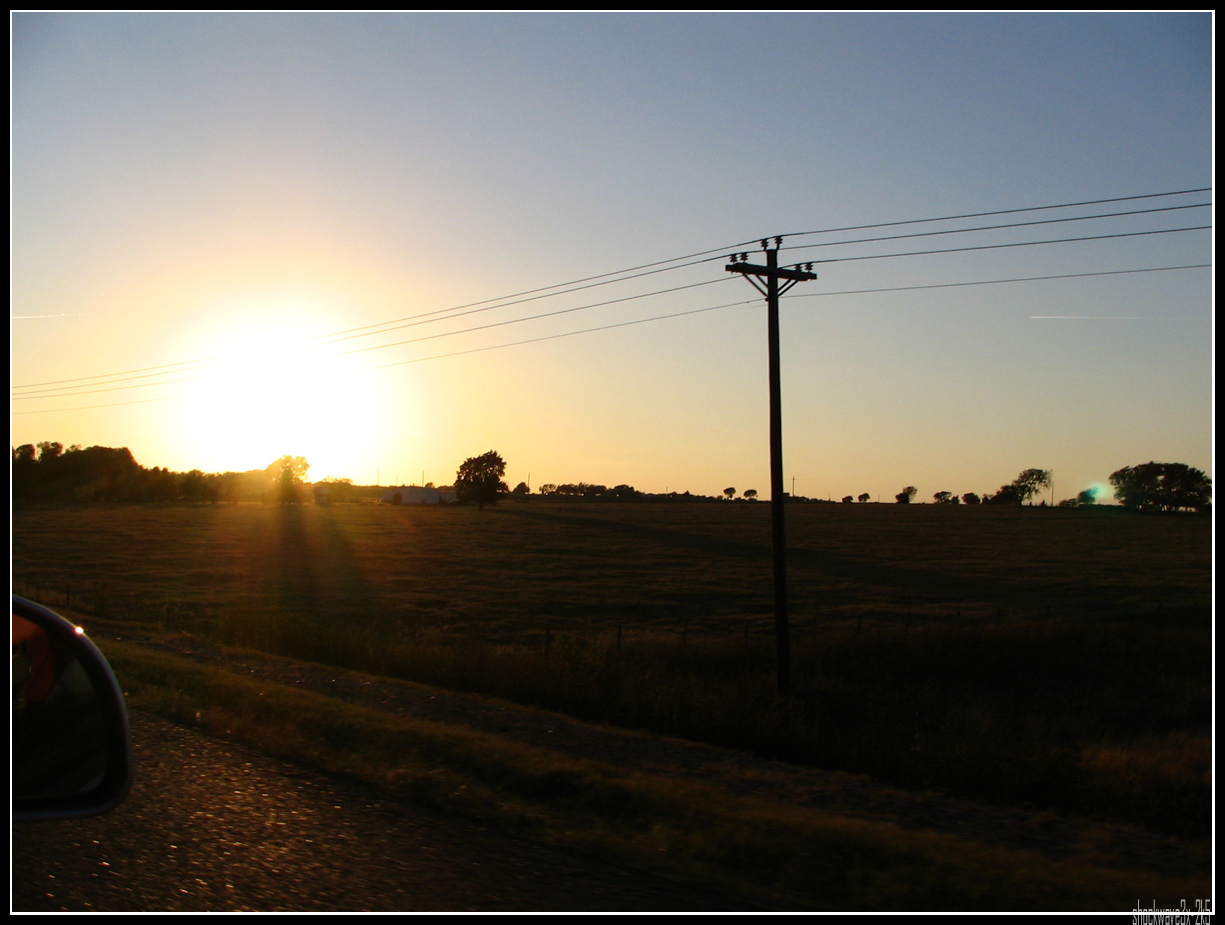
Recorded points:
(276,391)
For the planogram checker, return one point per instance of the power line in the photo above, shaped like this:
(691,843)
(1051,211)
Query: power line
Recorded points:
(985,247)
(563,311)
(716,253)
(530,295)
(454,312)
(447,313)
(698,311)
(1044,221)
(166,368)
(622,276)
(603,327)
(950,218)
(992,282)
(97,386)
(665,317)
(59,393)
(118,378)
(118,404)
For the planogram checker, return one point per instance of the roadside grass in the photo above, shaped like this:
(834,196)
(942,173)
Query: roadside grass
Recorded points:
(1059,658)
(780,856)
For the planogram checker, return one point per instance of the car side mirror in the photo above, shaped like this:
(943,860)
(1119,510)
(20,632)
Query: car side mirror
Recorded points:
(71,743)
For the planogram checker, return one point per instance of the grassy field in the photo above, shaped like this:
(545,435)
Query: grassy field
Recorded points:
(1051,657)
(511,573)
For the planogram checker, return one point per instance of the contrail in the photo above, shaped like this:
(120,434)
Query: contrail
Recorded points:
(1090,318)
(61,315)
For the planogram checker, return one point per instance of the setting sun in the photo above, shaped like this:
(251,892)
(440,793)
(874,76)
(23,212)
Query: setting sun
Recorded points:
(273,390)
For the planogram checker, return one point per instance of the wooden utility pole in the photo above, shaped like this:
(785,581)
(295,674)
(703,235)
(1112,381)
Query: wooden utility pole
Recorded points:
(766,281)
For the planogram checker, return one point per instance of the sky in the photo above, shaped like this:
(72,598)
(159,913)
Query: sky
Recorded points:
(226,229)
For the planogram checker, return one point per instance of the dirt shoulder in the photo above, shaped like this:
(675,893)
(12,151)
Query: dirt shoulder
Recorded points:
(1055,836)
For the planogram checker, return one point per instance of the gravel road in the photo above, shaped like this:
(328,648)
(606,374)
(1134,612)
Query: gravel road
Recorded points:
(211,826)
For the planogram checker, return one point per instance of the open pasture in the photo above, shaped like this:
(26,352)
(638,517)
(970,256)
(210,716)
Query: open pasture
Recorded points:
(1057,658)
(512,573)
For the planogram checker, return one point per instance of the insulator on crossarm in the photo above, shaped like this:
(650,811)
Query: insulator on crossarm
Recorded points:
(778,242)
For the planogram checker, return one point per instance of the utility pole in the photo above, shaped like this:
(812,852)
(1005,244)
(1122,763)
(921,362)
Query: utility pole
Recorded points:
(766,281)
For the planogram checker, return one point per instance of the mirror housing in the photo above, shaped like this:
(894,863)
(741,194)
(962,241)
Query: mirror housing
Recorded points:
(71,742)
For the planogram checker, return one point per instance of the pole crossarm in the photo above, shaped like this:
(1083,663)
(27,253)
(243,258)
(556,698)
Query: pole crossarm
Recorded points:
(796,275)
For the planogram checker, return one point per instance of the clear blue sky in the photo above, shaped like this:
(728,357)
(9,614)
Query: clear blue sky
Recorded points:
(189,186)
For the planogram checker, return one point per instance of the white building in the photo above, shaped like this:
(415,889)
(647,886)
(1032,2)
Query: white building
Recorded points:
(413,494)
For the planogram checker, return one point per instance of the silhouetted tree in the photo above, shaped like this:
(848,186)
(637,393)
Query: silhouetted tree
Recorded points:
(946,497)
(192,486)
(1022,488)
(1087,497)
(970,498)
(1162,487)
(847,499)
(730,492)
(340,491)
(864,498)
(160,485)
(48,451)
(751,494)
(906,495)
(288,473)
(1030,482)
(1007,494)
(479,479)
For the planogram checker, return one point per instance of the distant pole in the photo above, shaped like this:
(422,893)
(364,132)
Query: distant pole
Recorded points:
(770,274)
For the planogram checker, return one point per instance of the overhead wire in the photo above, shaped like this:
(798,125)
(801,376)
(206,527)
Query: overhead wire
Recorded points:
(64,391)
(976,228)
(706,254)
(985,247)
(628,274)
(949,218)
(668,316)
(61,390)
(619,276)
(698,311)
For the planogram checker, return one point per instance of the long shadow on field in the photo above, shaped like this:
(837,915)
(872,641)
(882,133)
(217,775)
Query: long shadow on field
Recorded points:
(905,582)
(316,571)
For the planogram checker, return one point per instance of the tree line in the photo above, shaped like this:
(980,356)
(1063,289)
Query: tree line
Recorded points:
(1151,486)
(49,472)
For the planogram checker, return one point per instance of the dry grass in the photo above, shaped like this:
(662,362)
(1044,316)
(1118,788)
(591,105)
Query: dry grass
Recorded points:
(511,573)
(1054,657)
(781,855)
